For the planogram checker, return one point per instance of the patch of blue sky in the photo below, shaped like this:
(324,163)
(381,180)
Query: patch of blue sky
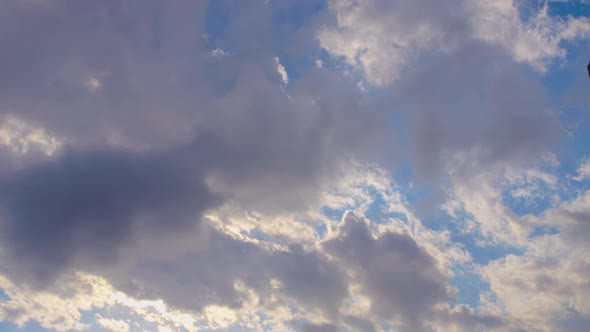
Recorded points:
(332,213)
(543,230)
(469,285)
(483,254)
(298,13)
(568,88)
(285,21)
(289,19)
(258,234)
(438,222)
(3,296)
(216,24)
(88,317)
(559,8)
(378,212)
(574,8)
(321,230)
(30,326)
(564,74)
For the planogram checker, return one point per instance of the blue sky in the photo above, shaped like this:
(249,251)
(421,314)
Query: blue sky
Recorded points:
(295,166)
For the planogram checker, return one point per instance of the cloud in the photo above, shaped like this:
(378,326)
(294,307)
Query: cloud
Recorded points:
(112,324)
(401,279)
(163,171)
(85,205)
(481,192)
(162,133)
(465,94)
(529,34)
(282,71)
(548,290)
(583,171)
(383,39)
(23,138)
(207,277)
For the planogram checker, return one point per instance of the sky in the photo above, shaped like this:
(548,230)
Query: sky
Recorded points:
(312,166)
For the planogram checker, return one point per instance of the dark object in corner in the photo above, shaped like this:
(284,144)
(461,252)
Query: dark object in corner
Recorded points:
(588,69)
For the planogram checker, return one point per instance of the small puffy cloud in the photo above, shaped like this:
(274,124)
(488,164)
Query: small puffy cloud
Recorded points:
(219,52)
(583,171)
(282,71)
(22,137)
(114,325)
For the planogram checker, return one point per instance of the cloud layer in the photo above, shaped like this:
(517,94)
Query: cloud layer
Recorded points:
(287,166)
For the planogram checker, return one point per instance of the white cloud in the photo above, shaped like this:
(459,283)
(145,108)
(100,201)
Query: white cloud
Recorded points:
(114,325)
(52,309)
(535,40)
(219,52)
(282,71)
(381,39)
(546,288)
(583,171)
(479,192)
(61,306)
(22,137)
(377,37)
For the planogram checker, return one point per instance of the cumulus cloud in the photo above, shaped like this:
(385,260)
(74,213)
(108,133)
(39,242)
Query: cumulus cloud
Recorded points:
(91,202)
(583,171)
(530,35)
(383,39)
(481,192)
(499,108)
(400,278)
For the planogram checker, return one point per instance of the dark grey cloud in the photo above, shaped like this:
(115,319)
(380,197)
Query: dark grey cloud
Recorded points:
(208,272)
(156,129)
(401,278)
(87,204)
